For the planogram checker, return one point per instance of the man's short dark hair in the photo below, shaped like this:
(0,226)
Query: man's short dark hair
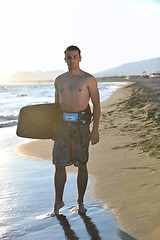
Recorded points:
(72,48)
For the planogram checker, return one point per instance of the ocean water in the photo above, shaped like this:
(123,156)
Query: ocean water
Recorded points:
(14,97)
(26,189)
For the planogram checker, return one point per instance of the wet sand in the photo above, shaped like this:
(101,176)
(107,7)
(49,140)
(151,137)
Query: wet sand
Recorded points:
(125,164)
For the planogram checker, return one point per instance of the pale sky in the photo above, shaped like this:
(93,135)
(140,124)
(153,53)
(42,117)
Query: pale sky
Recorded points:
(35,33)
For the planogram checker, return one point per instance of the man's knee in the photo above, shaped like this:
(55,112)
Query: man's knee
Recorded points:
(60,169)
(82,168)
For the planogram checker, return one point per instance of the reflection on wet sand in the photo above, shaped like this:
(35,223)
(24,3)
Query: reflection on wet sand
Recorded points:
(125,236)
(90,227)
(70,234)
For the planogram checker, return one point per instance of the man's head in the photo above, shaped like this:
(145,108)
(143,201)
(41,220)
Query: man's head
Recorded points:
(72,48)
(72,57)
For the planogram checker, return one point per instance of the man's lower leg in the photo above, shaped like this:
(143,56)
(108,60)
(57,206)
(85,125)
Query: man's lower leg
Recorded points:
(59,181)
(82,180)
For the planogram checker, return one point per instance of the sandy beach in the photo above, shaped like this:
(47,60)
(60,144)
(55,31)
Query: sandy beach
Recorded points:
(125,164)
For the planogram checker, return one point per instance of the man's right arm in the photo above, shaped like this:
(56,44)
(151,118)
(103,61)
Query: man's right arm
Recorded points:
(56,91)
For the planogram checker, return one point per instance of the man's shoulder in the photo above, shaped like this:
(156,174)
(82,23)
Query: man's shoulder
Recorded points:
(88,75)
(61,76)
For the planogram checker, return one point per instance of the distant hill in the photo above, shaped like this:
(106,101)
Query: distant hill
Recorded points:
(128,69)
(37,76)
(133,68)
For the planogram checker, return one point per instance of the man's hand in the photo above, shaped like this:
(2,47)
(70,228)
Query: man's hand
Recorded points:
(94,137)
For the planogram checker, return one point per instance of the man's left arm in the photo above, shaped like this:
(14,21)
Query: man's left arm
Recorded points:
(94,94)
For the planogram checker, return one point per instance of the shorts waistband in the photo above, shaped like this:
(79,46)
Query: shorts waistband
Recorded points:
(84,116)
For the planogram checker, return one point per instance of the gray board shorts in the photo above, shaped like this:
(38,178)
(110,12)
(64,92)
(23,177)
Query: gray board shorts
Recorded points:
(71,144)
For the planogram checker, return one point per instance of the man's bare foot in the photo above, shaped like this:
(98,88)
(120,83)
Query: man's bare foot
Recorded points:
(81,208)
(57,207)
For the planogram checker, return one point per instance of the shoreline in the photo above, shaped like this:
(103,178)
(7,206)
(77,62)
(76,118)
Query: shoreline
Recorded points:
(124,165)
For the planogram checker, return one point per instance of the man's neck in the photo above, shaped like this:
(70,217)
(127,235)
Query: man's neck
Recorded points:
(75,72)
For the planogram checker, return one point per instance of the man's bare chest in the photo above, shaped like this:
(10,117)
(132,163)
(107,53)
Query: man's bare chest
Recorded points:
(72,86)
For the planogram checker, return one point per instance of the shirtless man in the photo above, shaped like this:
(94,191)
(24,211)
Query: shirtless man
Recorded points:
(73,90)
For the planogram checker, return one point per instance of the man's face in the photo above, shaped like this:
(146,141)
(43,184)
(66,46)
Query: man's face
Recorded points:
(72,59)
